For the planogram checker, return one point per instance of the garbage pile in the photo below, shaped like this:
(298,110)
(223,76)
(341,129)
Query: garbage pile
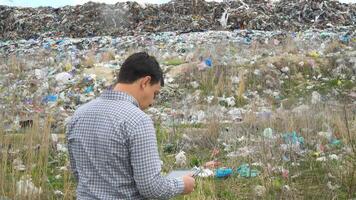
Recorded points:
(56,75)
(130,18)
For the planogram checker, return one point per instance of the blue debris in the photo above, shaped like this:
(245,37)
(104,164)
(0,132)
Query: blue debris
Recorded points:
(247,40)
(89,89)
(50,98)
(345,38)
(209,62)
(335,141)
(293,138)
(223,172)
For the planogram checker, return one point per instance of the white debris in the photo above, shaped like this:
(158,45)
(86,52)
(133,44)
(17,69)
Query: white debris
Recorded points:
(206,173)
(61,148)
(169,80)
(153,110)
(286,188)
(200,116)
(235,113)
(332,187)
(142,4)
(230,101)
(259,190)
(325,134)
(224,18)
(63,77)
(194,84)
(321,159)
(181,159)
(333,157)
(18,165)
(58,193)
(227,147)
(39,74)
(54,138)
(316,97)
(257,72)
(309,87)
(235,80)
(268,133)
(285,69)
(63,168)
(196,95)
(260,164)
(26,187)
(209,99)
(242,138)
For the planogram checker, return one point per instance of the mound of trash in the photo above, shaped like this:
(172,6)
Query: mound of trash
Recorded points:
(129,18)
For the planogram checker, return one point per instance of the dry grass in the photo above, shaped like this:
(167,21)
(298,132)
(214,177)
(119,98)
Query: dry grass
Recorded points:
(89,60)
(107,56)
(334,46)
(241,89)
(41,162)
(306,175)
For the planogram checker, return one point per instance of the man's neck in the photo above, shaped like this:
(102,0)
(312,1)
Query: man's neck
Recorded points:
(127,88)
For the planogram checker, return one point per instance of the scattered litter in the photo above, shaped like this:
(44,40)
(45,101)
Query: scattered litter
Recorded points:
(293,138)
(223,172)
(316,97)
(242,152)
(268,133)
(181,159)
(259,190)
(332,187)
(245,171)
(25,187)
(333,157)
(58,193)
(18,165)
(321,159)
(206,173)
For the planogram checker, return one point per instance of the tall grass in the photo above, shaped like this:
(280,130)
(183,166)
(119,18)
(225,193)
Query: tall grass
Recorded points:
(45,168)
(305,176)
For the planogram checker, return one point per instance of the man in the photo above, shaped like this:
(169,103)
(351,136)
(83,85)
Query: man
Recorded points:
(112,143)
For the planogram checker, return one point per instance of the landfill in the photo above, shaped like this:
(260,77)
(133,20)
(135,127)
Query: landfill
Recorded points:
(129,18)
(254,90)
(59,74)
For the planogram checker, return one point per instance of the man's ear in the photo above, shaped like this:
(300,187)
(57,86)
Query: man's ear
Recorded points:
(145,81)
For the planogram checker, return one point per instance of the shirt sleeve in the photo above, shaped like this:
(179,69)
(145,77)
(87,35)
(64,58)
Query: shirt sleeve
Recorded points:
(70,152)
(146,164)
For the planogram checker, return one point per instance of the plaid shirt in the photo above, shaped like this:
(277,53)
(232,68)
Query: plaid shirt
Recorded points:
(113,151)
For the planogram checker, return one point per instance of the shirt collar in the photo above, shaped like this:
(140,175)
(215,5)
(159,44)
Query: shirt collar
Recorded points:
(119,96)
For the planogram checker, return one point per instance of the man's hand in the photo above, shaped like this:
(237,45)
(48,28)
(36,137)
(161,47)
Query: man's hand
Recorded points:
(189,184)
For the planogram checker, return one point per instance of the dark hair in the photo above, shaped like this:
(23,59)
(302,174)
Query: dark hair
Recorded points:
(139,65)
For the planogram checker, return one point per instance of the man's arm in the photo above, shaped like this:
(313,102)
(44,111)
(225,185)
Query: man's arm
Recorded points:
(71,159)
(146,164)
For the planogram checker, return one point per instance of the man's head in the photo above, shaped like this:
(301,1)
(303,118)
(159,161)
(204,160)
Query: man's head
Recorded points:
(141,76)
